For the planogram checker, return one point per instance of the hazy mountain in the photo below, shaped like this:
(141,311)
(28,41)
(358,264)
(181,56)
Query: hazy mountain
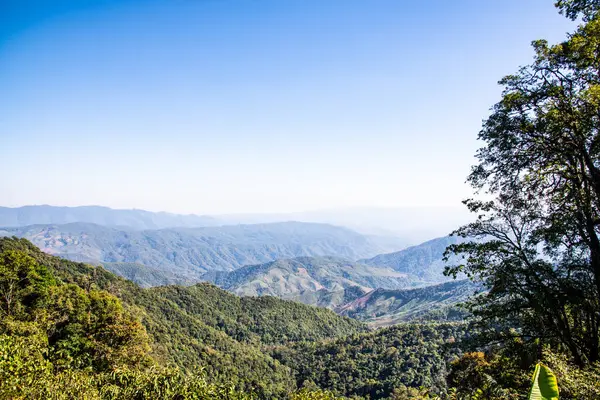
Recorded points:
(312,280)
(136,219)
(412,225)
(384,307)
(189,252)
(423,263)
(145,276)
(403,226)
(329,299)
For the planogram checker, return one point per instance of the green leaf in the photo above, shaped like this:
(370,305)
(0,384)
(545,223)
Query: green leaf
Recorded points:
(544,385)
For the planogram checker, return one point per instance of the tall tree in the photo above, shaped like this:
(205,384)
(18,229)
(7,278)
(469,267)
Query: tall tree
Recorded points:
(574,8)
(539,238)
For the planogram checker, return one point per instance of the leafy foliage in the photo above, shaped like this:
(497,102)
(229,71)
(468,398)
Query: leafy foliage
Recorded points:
(539,248)
(91,320)
(574,382)
(574,8)
(25,374)
(375,364)
(544,386)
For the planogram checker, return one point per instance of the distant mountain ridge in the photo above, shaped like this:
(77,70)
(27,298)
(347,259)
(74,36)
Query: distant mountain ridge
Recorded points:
(333,282)
(145,276)
(187,253)
(383,307)
(423,262)
(402,226)
(309,280)
(135,219)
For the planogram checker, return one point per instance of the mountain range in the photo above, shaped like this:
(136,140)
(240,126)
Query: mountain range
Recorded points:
(424,262)
(407,225)
(310,263)
(379,296)
(187,253)
(108,331)
(134,219)
(300,278)
(199,325)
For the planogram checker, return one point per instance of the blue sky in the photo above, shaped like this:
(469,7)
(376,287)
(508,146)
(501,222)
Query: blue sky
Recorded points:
(222,106)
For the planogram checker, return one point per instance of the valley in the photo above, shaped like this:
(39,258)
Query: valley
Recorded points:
(190,252)
(251,339)
(305,262)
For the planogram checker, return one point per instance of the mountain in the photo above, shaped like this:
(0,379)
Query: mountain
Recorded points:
(82,331)
(187,253)
(423,263)
(187,327)
(383,307)
(301,277)
(143,275)
(134,219)
(399,227)
(329,298)
(412,224)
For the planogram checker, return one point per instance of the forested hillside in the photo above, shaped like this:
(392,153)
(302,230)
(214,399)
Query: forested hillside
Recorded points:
(144,275)
(423,263)
(363,292)
(83,322)
(291,278)
(187,327)
(376,365)
(187,253)
(383,307)
(330,298)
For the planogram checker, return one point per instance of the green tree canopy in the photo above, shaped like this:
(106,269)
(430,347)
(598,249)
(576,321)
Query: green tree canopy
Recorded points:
(574,8)
(538,243)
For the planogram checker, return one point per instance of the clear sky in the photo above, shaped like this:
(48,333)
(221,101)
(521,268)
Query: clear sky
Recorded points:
(221,106)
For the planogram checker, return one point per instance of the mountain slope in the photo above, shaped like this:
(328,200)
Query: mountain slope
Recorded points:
(300,277)
(329,298)
(189,252)
(422,263)
(383,307)
(135,219)
(143,275)
(205,326)
(373,365)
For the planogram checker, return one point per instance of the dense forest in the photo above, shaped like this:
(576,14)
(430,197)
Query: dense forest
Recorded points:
(379,364)
(184,327)
(73,330)
(70,328)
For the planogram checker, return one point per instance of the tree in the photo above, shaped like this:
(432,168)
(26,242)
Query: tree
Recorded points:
(537,243)
(573,8)
(91,329)
(23,282)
